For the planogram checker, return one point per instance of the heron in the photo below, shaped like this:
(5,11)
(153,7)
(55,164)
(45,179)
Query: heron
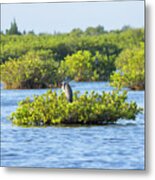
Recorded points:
(68,91)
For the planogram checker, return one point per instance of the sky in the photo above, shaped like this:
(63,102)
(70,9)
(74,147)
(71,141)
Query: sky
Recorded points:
(63,17)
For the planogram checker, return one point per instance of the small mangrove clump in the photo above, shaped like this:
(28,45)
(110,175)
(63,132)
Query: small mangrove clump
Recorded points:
(92,108)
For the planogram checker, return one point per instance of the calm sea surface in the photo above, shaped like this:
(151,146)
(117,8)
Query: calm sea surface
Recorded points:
(119,146)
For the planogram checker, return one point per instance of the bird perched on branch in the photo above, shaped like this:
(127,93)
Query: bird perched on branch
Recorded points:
(68,91)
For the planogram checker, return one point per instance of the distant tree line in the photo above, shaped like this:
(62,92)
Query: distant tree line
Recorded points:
(91,31)
(90,55)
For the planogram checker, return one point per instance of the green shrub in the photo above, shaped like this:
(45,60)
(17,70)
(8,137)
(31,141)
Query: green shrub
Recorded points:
(29,71)
(130,69)
(88,109)
(83,66)
(78,66)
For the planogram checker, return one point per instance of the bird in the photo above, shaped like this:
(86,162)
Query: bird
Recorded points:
(68,91)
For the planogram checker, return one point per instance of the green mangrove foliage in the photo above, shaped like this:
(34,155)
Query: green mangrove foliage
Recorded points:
(61,45)
(130,69)
(92,108)
(93,50)
(78,66)
(83,66)
(29,71)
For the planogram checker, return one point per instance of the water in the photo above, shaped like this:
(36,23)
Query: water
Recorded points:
(119,146)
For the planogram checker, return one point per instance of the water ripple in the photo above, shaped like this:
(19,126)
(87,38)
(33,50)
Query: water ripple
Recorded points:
(118,146)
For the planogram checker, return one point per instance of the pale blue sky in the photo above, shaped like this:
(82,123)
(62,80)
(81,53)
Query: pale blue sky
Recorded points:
(63,17)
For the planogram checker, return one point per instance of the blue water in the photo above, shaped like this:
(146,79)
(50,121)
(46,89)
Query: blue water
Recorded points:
(119,146)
